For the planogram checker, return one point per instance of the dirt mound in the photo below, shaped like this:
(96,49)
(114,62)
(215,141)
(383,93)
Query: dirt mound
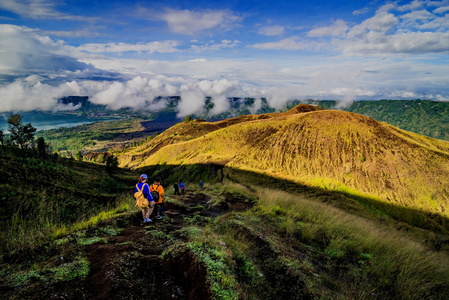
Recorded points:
(185,131)
(303,108)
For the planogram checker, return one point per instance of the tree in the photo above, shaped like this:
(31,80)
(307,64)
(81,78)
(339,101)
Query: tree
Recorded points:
(100,158)
(42,147)
(187,119)
(78,155)
(111,164)
(21,135)
(2,139)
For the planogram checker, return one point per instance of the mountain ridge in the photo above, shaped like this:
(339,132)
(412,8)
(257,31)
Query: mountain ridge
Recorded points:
(331,149)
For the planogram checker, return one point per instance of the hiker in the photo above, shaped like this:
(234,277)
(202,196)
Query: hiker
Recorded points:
(157,191)
(176,188)
(182,187)
(142,186)
(201,184)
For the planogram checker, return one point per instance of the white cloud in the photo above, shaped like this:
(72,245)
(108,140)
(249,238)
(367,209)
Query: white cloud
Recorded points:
(417,17)
(416,4)
(338,29)
(386,33)
(192,101)
(151,47)
(386,8)
(193,94)
(27,94)
(412,43)
(138,92)
(381,22)
(23,51)
(193,22)
(441,10)
(440,24)
(361,11)
(37,9)
(271,30)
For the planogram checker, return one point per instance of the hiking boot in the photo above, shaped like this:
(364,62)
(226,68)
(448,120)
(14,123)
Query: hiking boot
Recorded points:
(159,217)
(147,220)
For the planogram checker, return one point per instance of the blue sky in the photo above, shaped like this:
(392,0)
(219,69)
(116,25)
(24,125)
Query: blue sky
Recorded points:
(126,53)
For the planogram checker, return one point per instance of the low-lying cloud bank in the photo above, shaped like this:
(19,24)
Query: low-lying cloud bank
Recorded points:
(36,71)
(140,93)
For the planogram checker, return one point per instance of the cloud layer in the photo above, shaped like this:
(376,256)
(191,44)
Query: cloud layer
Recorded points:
(391,51)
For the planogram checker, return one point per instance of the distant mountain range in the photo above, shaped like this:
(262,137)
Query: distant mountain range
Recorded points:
(425,117)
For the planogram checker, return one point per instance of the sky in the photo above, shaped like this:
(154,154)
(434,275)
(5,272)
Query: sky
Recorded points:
(127,53)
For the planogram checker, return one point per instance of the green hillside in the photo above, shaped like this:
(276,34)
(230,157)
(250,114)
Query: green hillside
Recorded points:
(426,117)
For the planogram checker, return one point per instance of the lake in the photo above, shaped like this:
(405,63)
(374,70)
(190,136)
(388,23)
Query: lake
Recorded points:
(44,121)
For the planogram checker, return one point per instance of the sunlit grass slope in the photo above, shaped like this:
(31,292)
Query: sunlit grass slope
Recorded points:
(334,150)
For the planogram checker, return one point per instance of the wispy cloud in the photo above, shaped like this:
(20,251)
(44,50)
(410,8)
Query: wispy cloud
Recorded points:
(291,43)
(338,28)
(361,11)
(37,9)
(88,32)
(151,47)
(271,30)
(191,22)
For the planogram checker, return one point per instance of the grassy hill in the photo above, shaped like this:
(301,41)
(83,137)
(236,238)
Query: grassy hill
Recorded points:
(304,204)
(333,150)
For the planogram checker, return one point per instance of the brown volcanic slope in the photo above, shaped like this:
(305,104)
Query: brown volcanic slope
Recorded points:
(331,149)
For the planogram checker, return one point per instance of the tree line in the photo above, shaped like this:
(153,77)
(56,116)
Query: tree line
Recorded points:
(21,142)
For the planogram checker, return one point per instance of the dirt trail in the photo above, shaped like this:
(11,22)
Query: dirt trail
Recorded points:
(125,260)
(129,265)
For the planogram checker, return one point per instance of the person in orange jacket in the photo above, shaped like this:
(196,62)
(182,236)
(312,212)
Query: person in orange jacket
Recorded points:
(157,191)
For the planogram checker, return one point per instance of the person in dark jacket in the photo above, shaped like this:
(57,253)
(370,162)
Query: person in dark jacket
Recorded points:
(176,188)
(143,186)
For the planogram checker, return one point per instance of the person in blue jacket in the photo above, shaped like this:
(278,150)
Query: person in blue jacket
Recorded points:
(144,187)
(182,187)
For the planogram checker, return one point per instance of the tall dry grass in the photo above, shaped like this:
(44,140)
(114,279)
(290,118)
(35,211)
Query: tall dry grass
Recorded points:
(396,258)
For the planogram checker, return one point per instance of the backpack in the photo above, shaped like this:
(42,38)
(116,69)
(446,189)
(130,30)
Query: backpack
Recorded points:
(141,201)
(155,193)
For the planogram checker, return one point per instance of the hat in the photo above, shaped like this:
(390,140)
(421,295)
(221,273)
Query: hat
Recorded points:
(143,176)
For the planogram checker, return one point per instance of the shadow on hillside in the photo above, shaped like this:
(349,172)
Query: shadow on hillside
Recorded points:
(354,204)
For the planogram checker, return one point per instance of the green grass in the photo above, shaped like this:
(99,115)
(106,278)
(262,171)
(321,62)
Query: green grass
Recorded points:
(78,268)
